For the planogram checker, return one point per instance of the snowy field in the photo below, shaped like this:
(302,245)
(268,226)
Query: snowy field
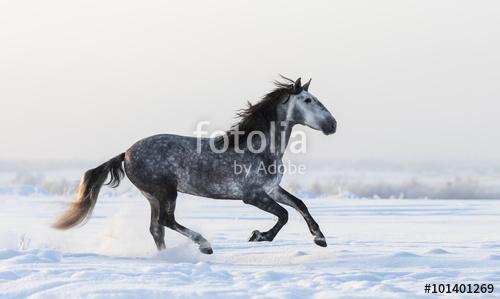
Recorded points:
(385,248)
(377,248)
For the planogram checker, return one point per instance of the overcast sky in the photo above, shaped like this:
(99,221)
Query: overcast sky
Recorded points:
(406,80)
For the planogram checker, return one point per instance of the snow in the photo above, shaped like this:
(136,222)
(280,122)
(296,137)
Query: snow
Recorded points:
(377,248)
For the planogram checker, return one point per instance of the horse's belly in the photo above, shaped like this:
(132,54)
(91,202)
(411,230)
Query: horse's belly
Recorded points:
(210,185)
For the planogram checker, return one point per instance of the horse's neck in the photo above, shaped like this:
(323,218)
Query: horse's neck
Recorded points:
(283,130)
(278,138)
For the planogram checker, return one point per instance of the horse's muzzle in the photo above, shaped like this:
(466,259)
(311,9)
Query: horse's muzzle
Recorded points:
(329,127)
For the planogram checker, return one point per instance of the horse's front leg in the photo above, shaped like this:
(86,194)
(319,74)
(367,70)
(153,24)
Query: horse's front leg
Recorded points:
(266,203)
(282,196)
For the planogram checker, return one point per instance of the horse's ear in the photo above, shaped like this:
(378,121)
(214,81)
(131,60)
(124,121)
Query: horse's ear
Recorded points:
(297,84)
(306,86)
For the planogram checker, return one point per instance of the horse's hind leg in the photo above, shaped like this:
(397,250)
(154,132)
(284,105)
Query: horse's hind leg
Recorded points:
(157,230)
(266,203)
(167,218)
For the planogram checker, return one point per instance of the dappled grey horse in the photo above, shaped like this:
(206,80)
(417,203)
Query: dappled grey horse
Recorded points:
(162,165)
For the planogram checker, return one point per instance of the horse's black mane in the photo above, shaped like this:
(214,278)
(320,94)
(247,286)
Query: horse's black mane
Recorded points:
(258,116)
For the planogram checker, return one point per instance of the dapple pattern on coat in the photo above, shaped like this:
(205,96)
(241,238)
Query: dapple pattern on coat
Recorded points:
(160,166)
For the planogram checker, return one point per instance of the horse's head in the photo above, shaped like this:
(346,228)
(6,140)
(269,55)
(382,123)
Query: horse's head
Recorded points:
(305,109)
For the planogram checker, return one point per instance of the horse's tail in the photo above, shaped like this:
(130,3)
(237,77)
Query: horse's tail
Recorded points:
(92,181)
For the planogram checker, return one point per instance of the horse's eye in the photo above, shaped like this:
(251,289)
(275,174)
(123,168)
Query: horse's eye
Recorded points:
(308,100)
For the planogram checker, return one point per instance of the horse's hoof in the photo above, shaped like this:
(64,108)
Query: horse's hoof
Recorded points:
(255,237)
(320,242)
(206,250)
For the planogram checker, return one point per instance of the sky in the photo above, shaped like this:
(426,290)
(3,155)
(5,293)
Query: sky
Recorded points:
(406,80)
